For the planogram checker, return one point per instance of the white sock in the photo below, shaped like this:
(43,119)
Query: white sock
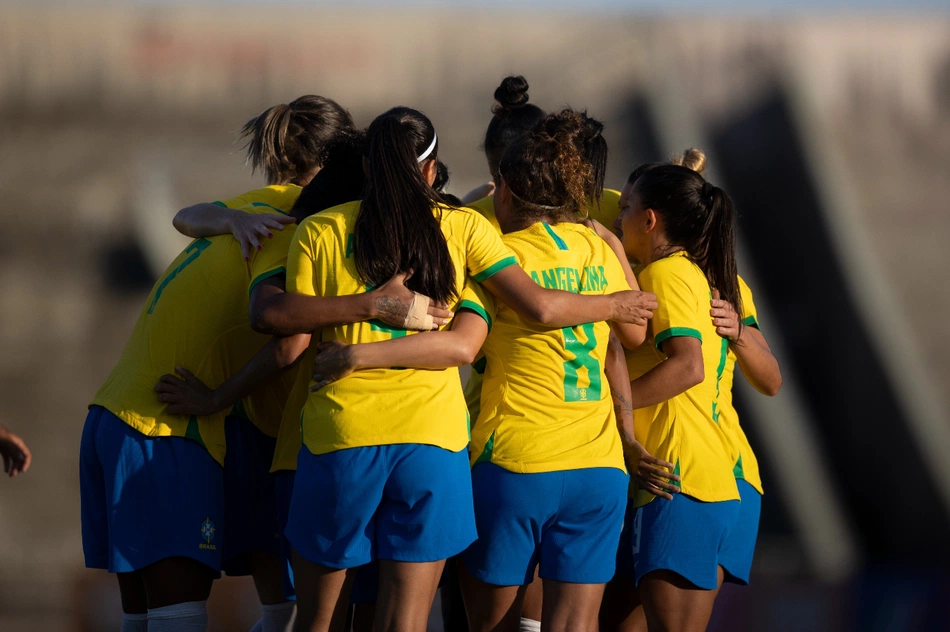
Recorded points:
(181,617)
(134,622)
(259,626)
(279,617)
(527,625)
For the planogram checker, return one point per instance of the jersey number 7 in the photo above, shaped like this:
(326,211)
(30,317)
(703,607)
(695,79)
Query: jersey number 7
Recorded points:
(195,248)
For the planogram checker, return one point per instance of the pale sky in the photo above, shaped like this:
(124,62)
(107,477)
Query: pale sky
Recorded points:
(653,6)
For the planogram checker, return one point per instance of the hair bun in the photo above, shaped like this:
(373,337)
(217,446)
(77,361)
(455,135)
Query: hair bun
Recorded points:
(511,94)
(692,158)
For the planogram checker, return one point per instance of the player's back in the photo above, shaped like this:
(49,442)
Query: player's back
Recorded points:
(194,317)
(545,402)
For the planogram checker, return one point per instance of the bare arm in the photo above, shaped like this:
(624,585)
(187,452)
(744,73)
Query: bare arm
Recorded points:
(428,350)
(757,362)
(280,313)
(190,396)
(682,370)
(479,192)
(752,351)
(208,219)
(630,334)
(647,471)
(555,308)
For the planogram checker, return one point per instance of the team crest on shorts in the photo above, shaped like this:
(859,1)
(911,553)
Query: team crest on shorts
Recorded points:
(207,534)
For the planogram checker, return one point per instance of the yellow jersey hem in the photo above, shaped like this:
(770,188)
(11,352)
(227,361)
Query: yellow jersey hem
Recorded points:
(370,442)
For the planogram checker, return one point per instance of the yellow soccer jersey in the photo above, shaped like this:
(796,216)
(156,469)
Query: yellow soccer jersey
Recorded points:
(264,407)
(746,465)
(609,208)
(288,440)
(486,206)
(546,404)
(405,405)
(196,316)
(278,198)
(685,430)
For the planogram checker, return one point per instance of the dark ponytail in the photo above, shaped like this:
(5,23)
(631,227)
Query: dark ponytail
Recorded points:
(289,141)
(396,229)
(341,179)
(699,217)
(513,118)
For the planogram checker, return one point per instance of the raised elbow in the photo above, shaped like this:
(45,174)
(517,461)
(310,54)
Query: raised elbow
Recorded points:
(179,221)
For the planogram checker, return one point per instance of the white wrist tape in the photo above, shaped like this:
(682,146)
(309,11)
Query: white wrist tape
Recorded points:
(418,317)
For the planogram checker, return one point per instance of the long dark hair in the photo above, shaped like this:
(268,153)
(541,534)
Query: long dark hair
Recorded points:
(513,118)
(341,179)
(288,141)
(699,217)
(546,171)
(396,229)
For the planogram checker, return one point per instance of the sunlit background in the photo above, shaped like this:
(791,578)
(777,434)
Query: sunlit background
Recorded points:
(830,129)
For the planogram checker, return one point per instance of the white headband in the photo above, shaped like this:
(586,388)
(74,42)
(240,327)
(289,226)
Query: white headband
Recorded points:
(425,154)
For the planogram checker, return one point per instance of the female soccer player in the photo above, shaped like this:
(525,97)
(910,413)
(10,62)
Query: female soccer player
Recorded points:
(548,477)
(682,230)
(288,142)
(369,458)
(152,480)
(518,520)
(622,609)
(748,346)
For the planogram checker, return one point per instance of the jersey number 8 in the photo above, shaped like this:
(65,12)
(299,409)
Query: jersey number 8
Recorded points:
(582,358)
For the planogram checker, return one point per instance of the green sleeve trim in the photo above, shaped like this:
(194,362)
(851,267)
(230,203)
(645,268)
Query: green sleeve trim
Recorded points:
(273,208)
(674,332)
(220,203)
(264,277)
(478,309)
(750,321)
(495,269)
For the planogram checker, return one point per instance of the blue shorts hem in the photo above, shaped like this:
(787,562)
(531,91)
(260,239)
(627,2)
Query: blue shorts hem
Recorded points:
(732,578)
(578,579)
(665,565)
(495,579)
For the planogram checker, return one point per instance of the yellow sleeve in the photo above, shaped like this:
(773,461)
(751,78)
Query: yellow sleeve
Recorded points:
(676,314)
(303,264)
(477,300)
(271,259)
(613,271)
(485,252)
(751,317)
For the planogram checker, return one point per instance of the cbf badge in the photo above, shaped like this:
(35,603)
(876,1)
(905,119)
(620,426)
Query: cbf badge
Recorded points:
(207,534)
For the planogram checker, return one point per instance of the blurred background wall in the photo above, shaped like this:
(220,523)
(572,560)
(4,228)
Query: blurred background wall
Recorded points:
(831,131)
